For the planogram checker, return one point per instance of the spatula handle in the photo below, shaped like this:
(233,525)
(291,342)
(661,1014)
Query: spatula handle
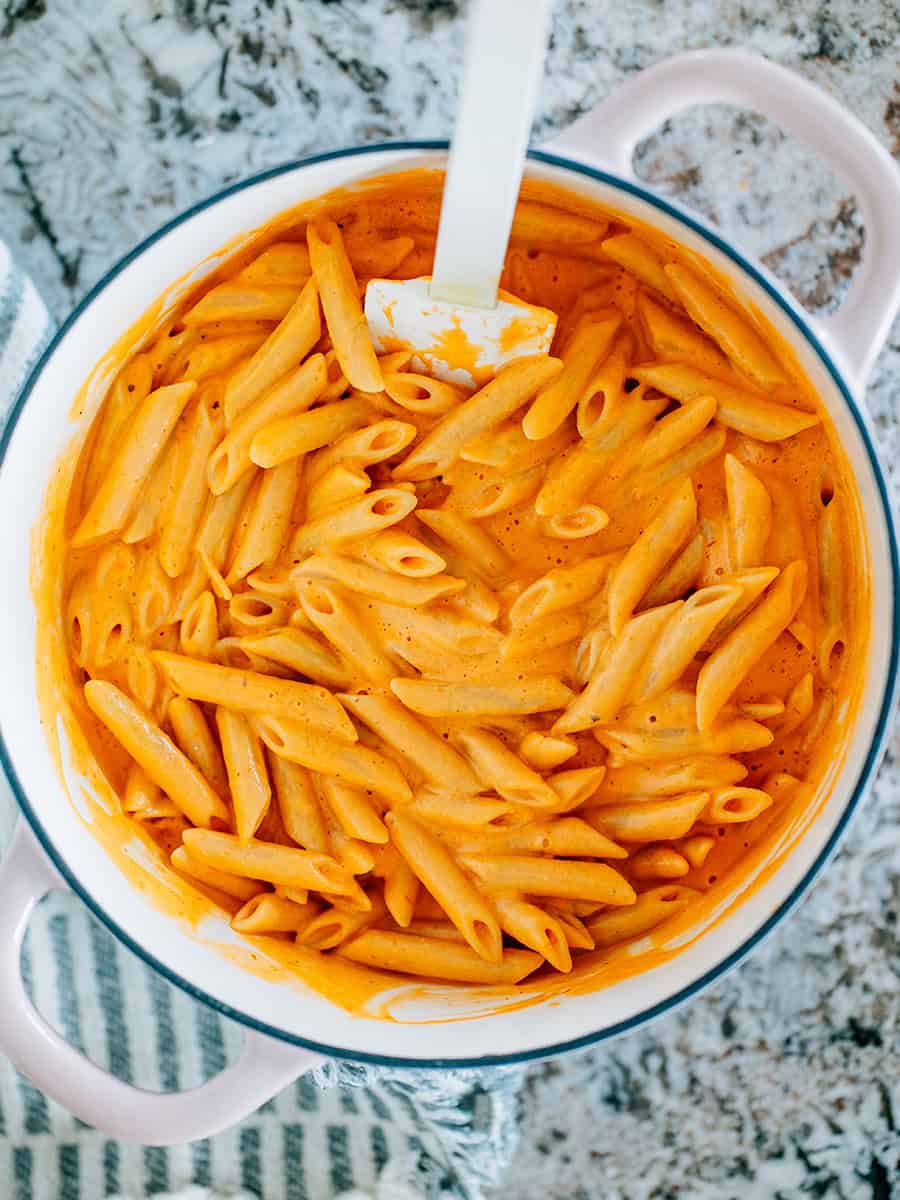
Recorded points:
(504,64)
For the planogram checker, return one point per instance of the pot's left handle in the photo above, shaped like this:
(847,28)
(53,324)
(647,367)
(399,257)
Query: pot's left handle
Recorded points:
(607,135)
(118,1109)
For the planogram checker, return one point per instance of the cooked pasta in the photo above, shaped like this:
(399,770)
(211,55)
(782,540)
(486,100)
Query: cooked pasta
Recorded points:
(460,683)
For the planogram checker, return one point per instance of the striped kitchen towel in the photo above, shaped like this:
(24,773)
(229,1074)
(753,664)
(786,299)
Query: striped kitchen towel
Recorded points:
(346,1130)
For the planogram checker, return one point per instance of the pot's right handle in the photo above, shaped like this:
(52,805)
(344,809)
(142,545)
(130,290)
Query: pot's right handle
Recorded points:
(608,134)
(111,1105)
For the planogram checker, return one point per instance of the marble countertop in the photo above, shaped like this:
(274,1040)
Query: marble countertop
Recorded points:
(783,1080)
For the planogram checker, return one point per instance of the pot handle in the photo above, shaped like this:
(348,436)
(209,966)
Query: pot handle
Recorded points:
(608,134)
(118,1109)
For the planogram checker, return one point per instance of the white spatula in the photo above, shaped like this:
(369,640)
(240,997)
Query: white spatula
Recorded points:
(460,329)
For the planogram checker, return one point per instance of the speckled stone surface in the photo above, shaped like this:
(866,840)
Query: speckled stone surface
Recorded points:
(783,1080)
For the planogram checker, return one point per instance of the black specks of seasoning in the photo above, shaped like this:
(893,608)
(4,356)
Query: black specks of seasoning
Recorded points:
(21,10)
(70,266)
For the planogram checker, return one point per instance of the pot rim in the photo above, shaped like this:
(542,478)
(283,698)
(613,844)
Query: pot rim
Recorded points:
(738,953)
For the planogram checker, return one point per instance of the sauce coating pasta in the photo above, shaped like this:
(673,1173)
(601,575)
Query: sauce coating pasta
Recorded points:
(454,682)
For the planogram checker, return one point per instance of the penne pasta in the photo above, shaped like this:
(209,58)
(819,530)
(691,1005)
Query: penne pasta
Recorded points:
(476,547)
(432,757)
(589,343)
(730,662)
(292,394)
(502,770)
(344,316)
(682,638)
(194,737)
(649,911)
(648,557)
(658,862)
(733,332)
(509,391)
(617,671)
(248,780)
(302,652)
(340,483)
(544,751)
(250,691)
(288,344)
(344,626)
(289,437)
(356,765)
(433,698)
(356,519)
(646,820)
(281,865)
(406,591)
(262,536)
(536,929)
(267,913)
(235,886)
(551,877)
(702,773)
(436,868)
(437,958)
(747,411)
(152,749)
(398,551)
(749,514)
(141,445)
(356,813)
(636,256)
(298,804)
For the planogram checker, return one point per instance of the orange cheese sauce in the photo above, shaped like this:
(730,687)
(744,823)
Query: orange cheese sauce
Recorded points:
(569,278)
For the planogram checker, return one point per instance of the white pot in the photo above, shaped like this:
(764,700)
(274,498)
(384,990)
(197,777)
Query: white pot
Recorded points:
(287,1028)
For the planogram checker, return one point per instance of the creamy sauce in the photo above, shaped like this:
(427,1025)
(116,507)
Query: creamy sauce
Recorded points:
(745,856)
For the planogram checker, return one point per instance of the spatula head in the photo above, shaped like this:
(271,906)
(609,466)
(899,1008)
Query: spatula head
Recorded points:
(455,342)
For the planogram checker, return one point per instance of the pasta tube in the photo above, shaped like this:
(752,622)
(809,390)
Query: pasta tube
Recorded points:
(250,691)
(141,445)
(739,408)
(730,662)
(507,392)
(282,865)
(437,958)
(649,910)
(564,878)
(343,311)
(356,765)
(645,560)
(433,698)
(749,514)
(153,750)
(733,332)
(291,395)
(415,740)
(248,780)
(448,883)
(285,347)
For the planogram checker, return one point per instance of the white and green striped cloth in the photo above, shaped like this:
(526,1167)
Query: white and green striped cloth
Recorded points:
(346,1129)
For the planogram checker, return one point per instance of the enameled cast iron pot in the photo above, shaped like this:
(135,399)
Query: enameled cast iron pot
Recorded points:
(288,1029)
